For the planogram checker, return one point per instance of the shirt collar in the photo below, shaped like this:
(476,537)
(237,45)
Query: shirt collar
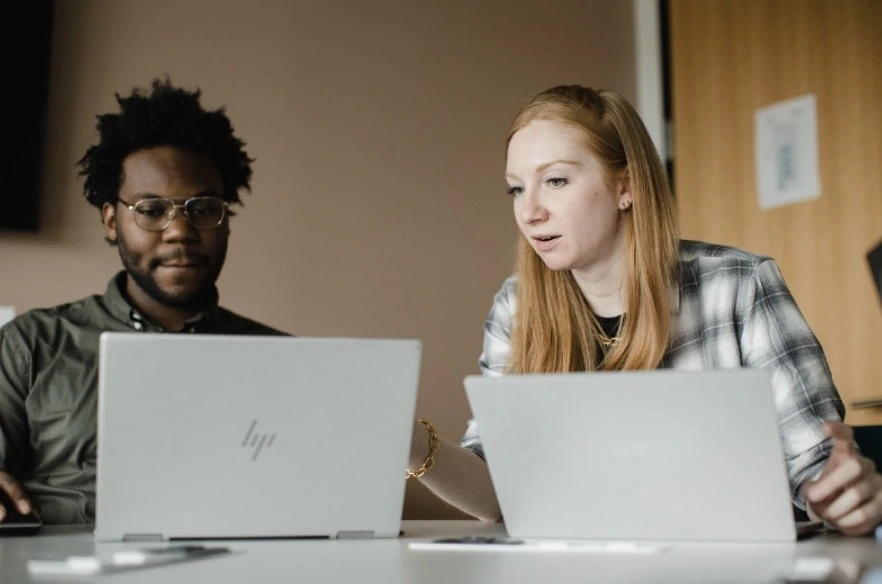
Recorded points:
(116,301)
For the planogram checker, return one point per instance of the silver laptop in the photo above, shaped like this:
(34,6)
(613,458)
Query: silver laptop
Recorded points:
(209,436)
(654,455)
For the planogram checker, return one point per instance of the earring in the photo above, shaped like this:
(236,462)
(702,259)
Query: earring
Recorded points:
(625,205)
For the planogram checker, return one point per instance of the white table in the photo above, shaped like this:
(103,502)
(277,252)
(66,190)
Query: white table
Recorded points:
(391,561)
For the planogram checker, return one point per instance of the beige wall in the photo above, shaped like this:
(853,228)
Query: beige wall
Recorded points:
(378,204)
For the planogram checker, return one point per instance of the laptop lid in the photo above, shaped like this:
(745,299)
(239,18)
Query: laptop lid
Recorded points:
(209,436)
(661,455)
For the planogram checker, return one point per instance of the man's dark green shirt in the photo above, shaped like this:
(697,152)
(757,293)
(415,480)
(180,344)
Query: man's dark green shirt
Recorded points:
(49,387)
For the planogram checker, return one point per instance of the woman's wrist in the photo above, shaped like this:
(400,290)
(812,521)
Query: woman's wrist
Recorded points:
(422,458)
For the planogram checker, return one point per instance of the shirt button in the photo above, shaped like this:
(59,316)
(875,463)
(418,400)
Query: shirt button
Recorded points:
(138,326)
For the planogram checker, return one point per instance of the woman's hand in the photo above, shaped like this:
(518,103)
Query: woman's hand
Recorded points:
(848,493)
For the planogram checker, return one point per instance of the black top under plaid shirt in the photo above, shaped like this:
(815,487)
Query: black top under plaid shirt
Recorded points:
(733,309)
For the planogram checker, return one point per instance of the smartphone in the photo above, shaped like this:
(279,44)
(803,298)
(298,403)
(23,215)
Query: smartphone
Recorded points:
(20,527)
(468,543)
(15,524)
(479,540)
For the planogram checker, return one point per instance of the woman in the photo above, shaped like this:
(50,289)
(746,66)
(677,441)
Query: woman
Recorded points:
(603,282)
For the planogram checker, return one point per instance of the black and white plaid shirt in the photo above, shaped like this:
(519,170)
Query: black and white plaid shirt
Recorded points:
(733,310)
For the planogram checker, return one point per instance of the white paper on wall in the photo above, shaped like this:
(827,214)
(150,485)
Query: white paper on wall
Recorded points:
(786,145)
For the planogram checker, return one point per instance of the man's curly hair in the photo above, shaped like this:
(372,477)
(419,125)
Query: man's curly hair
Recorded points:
(168,116)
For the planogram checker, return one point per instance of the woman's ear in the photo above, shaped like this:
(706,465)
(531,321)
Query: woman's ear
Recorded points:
(624,191)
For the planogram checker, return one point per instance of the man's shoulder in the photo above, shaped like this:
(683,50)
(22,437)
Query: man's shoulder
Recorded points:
(37,320)
(231,323)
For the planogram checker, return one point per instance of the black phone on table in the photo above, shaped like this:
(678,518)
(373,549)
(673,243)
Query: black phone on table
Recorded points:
(15,523)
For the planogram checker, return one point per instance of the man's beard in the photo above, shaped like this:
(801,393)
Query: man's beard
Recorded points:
(195,299)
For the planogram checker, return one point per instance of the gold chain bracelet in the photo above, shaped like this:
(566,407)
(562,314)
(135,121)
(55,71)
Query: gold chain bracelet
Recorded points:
(434,445)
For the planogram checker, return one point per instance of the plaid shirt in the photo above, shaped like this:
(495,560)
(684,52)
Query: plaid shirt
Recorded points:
(733,310)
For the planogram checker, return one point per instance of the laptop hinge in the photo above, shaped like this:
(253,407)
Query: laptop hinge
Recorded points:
(366,534)
(148,537)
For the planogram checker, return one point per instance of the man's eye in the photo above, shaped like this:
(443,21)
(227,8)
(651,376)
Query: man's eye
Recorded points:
(204,209)
(151,210)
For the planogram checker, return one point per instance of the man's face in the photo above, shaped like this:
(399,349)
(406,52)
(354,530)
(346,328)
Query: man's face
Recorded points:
(178,266)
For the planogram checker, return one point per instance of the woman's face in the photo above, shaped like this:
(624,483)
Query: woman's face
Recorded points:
(564,204)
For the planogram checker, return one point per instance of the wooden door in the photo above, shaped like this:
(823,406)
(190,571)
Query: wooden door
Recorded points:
(730,57)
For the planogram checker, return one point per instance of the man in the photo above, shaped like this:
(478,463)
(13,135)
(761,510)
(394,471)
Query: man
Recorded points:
(163,175)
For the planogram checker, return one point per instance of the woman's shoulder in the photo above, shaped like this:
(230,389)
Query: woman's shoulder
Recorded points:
(508,288)
(713,254)
(504,300)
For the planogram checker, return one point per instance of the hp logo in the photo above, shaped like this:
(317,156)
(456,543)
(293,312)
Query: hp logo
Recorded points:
(257,440)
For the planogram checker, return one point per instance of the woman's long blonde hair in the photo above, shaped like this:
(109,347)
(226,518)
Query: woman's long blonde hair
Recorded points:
(554,329)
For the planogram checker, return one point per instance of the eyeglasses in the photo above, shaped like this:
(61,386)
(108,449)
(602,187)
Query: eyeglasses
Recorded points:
(156,214)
